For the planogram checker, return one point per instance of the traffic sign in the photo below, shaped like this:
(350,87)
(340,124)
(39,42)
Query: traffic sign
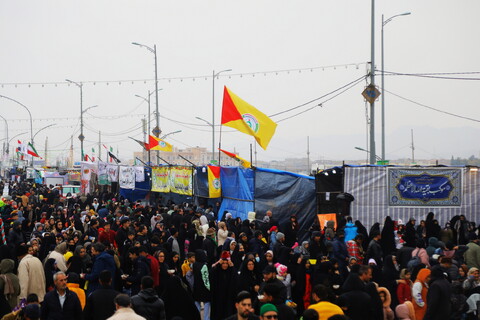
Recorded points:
(156,131)
(371,93)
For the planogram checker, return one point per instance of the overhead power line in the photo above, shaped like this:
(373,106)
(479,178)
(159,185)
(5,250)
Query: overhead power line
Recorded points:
(437,75)
(432,108)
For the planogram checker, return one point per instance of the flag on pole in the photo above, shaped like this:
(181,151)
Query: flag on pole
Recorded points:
(143,144)
(244,163)
(155,143)
(113,157)
(214,185)
(240,115)
(22,148)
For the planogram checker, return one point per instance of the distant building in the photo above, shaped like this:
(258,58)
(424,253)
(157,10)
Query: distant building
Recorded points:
(197,155)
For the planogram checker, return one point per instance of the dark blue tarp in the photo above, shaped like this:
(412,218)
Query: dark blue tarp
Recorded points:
(141,188)
(200,182)
(285,194)
(237,191)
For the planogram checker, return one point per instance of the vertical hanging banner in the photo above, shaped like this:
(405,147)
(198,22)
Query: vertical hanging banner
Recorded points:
(214,186)
(86,175)
(139,174)
(425,187)
(102,174)
(180,180)
(160,179)
(112,172)
(126,177)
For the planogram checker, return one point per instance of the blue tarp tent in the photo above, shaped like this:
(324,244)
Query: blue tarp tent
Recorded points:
(237,191)
(285,194)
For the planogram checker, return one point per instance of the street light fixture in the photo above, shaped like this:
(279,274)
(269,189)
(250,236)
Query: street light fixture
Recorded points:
(50,125)
(153,50)
(6,126)
(213,109)
(29,113)
(169,134)
(375,156)
(384,22)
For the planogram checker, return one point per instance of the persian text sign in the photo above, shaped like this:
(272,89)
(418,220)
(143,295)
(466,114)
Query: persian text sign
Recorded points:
(160,179)
(126,177)
(432,187)
(181,180)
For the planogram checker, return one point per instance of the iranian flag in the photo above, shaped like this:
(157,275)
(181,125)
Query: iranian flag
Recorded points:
(31,151)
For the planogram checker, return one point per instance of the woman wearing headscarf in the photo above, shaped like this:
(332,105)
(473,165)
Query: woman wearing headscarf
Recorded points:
(249,279)
(58,255)
(222,233)
(290,230)
(363,231)
(461,228)
(429,226)
(386,300)
(410,235)
(377,303)
(419,293)
(387,242)
(422,232)
(390,274)
(201,284)
(183,308)
(76,262)
(9,283)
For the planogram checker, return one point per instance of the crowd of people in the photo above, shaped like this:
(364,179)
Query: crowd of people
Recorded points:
(100,256)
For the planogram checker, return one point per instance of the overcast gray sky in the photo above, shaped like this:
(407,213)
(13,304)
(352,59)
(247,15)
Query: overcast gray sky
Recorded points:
(46,42)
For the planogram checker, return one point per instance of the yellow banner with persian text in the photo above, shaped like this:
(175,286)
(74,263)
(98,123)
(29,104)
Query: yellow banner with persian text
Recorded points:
(180,180)
(160,181)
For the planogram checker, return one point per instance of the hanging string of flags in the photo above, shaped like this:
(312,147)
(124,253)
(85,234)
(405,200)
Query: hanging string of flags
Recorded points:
(186,78)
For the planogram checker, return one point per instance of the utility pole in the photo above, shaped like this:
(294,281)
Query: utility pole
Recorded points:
(372,83)
(144,125)
(70,160)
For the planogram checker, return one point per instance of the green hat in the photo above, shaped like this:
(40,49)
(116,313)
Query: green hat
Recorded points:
(267,307)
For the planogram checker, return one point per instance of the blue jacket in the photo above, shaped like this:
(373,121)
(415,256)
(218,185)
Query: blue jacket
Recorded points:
(350,231)
(103,261)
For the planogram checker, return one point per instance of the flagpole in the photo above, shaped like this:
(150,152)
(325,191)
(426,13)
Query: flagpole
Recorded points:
(220,146)
(251,156)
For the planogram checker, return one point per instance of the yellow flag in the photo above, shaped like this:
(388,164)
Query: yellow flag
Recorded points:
(240,115)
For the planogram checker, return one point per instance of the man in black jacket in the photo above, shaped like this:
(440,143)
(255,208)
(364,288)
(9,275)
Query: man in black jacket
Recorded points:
(147,303)
(61,303)
(99,304)
(141,268)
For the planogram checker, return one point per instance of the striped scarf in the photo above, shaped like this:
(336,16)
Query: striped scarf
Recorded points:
(3,240)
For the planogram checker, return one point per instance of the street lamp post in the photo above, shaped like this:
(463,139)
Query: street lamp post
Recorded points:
(169,134)
(29,113)
(213,134)
(50,125)
(369,153)
(153,50)
(384,22)
(81,137)
(147,100)
(5,144)
(214,75)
